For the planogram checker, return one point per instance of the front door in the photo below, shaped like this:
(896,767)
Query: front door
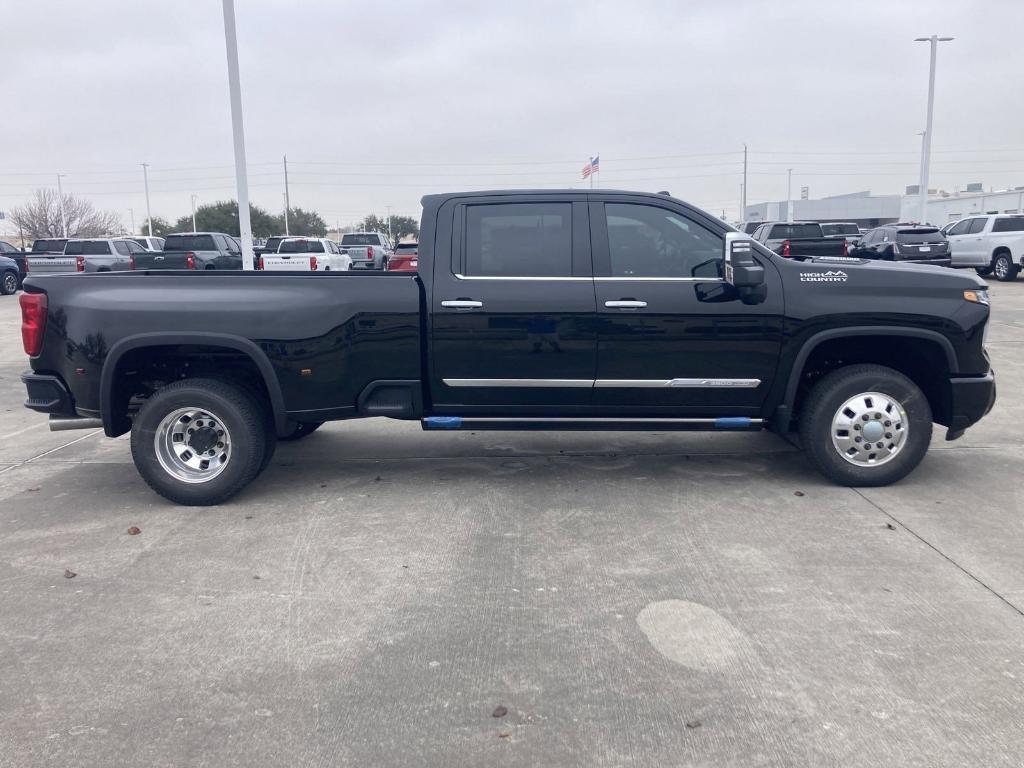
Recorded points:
(512,308)
(673,336)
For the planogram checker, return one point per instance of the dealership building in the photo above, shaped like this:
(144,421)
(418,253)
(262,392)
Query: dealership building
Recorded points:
(868,210)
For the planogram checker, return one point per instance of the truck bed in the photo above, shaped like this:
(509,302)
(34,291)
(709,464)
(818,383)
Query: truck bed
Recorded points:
(322,337)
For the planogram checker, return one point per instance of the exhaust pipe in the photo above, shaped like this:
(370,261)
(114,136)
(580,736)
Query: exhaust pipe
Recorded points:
(64,423)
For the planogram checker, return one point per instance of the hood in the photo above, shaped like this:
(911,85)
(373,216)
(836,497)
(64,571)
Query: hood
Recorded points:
(898,273)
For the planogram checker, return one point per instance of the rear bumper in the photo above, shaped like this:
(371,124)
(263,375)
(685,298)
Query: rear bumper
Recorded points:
(970,399)
(48,394)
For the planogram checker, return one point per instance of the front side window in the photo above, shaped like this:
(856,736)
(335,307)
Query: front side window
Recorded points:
(977,225)
(649,241)
(960,228)
(519,240)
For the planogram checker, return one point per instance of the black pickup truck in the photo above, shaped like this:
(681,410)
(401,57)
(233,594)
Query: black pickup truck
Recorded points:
(565,310)
(799,239)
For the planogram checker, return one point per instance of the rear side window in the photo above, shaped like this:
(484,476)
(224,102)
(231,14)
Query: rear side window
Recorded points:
(976,226)
(189,243)
(795,231)
(649,241)
(840,229)
(96,248)
(122,248)
(74,248)
(519,240)
(1008,225)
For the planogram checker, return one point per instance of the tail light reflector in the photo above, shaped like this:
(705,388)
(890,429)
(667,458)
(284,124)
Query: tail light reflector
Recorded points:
(312,263)
(33,322)
(80,263)
(846,248)
(26,265)
(259,263)
(190,260)
(131,261)
(785,248)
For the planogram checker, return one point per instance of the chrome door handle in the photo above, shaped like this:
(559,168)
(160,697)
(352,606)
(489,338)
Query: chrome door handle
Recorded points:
(626,304)
(462,304)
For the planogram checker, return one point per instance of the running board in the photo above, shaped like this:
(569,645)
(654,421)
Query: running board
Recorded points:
(436,423)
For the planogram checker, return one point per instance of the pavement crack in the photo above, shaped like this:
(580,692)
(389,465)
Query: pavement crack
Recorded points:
(938,551)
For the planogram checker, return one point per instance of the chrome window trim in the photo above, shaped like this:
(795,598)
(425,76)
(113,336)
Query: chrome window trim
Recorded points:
(517,277)
(663,279)
(580,383)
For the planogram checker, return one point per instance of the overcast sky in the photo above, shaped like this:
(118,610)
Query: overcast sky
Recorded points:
(378,103)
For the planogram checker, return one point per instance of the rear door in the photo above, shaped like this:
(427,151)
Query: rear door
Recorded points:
(673,336)
(512,313)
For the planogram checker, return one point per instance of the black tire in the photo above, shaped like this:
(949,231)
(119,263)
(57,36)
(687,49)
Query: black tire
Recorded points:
(1004,268)
(9,282)
(984,271)
(823,403)
(301,430)
(244,419)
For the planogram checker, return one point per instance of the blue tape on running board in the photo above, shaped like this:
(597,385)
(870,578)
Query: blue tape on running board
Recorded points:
(443,422)
(732,422)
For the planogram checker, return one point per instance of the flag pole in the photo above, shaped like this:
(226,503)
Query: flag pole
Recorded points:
(591,173)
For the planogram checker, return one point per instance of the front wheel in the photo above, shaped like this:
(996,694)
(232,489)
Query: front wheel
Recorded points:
(198,442)
(865,425)
(9,283)
(1004,268)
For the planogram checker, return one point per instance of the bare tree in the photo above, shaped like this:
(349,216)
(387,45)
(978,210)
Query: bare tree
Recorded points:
(40,217)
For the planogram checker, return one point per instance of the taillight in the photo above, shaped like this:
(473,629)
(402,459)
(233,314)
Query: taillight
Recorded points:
(131,261)
(785,247)
(33,322)
(26,265)
(80,263)
(312,263)
(369,253)
(190,260)
(846,248)
(259,263)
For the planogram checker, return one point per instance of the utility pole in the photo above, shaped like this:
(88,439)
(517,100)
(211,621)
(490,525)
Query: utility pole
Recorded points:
(926,144)
(131,217)
(145,179)
(238,135)
(743,194)
(789,196)
(193,212)
(390,236)
(63,216)
(287,199)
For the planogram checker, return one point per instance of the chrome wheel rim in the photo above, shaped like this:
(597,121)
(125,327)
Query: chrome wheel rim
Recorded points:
(10,282)
(870,429)
(1000,267)
(193,445)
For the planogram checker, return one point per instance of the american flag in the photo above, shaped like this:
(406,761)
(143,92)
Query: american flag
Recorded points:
(592,167)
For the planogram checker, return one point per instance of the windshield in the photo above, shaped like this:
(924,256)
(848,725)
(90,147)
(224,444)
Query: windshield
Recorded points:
(189,243)
(795,231)
(360,240)
(840,229)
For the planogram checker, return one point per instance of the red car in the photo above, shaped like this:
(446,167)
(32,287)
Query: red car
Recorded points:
(404,259)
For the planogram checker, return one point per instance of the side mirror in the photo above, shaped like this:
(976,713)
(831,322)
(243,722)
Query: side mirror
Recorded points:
(742,271)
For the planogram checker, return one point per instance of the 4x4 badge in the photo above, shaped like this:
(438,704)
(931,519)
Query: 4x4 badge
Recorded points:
(831,276)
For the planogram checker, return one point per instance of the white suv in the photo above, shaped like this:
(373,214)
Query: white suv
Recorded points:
(990,244)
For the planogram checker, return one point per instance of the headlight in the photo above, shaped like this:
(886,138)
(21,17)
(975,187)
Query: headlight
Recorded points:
(977,296)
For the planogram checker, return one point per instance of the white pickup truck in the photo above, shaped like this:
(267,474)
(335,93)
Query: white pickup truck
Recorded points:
(369,250)
(992,244)
(306,254)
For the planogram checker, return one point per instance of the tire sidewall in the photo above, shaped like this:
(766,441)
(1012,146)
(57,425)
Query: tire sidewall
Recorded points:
(1011,268)
(836,389)
(4,278)
(235,410)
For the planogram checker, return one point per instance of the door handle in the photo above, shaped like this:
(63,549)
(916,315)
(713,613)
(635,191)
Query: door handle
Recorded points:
(626,304)
(462,304)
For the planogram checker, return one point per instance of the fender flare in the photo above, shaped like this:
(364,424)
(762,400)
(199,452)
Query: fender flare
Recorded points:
(859,330)
(161,339)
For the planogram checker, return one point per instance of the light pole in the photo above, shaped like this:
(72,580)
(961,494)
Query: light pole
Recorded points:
(193,212)
(926,145)
(390,237)
(145,179)
(789,195)
(743,194)
(238,131)
(131,216)
(287,197)
(63,216)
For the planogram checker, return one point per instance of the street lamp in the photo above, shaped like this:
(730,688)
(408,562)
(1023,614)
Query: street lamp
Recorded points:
(193,212)
(789,195)
(238,135)
(926,145)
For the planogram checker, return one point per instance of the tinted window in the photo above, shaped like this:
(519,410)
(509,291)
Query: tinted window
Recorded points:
(519,240)
(406,248)
(1008,225)
(960,227)
(134,247)
(977,225)
(140,240)
(795,231)
(750,227)
(52,246)
(7,248)
(840,229)
(273,244)
(360,240)
(96,248)
(189,243)
(121,247)
(647,241)
(301,246)
(919,235)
